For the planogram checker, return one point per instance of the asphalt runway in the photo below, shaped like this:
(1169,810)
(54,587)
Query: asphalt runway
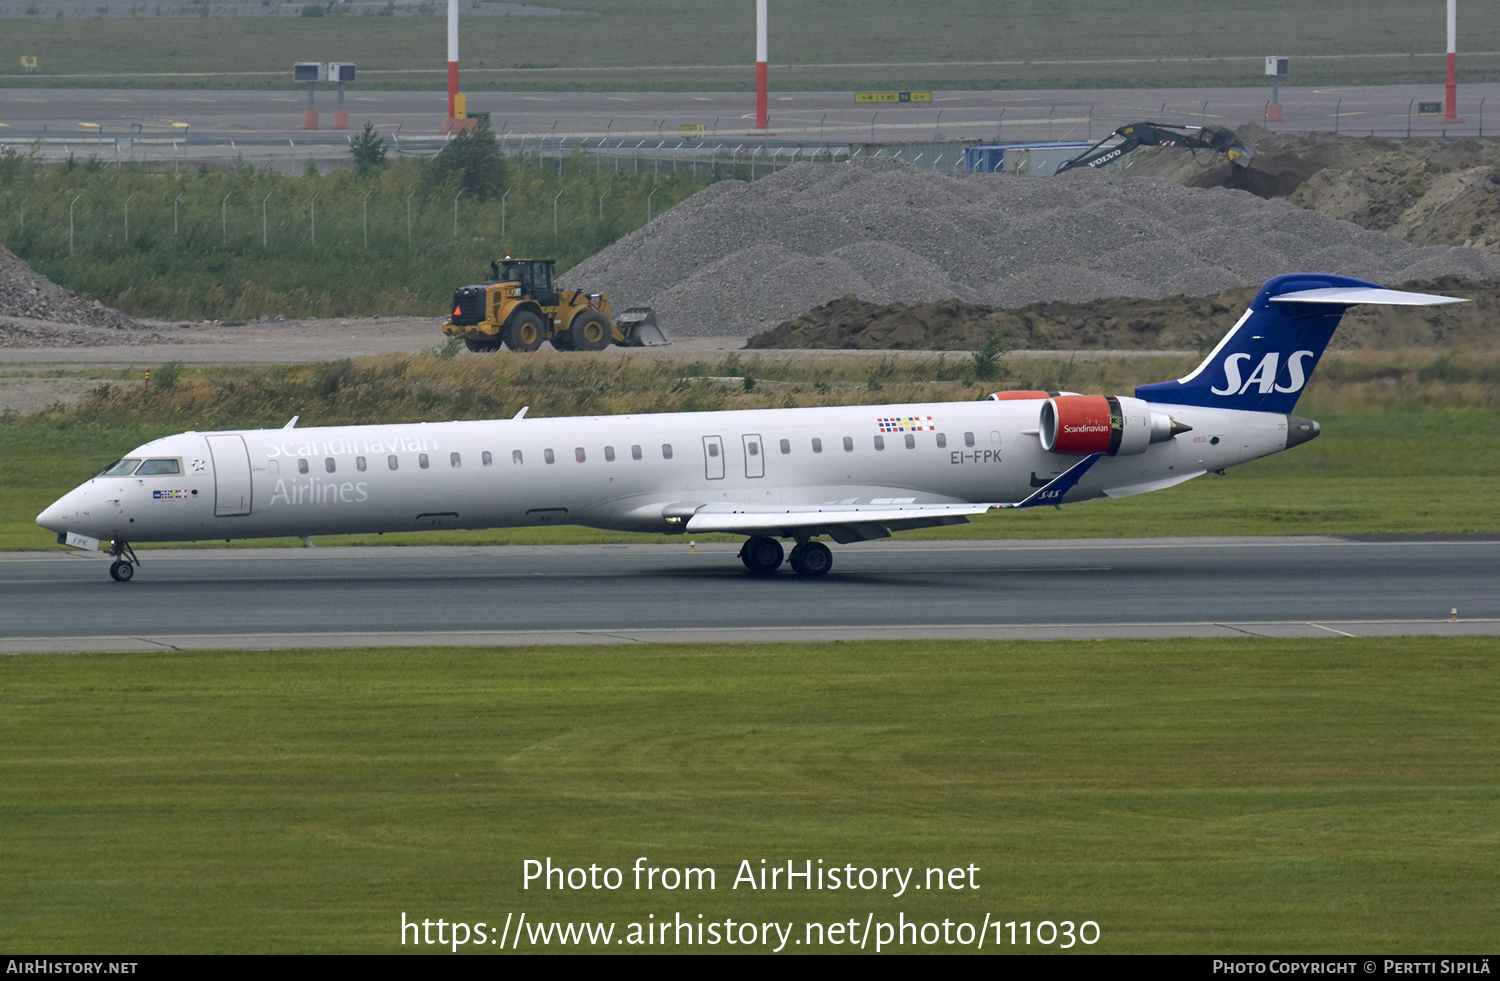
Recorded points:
(201,124)
(1079,589)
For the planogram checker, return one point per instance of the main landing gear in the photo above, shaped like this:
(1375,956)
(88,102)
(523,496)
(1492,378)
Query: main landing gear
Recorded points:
(123,567)
(763,556)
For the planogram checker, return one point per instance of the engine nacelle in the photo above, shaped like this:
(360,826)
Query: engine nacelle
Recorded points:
(1019,395)
(1077,425)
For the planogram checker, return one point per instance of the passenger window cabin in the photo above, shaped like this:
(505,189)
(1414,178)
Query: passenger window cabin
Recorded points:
(515,457)
(329,465)
(848,444)
(486,459)
(609,454)
(786,447)
(548,457)
(302,466)
(880,442)
(359,464)
(635,452)
(968,439)
(911,441)
(578,454)
(817,445)
(666,451)
(942,441)
(455,461)
(393,463)
(422,461)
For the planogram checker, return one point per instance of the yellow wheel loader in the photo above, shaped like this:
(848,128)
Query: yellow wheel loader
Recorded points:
(520,307)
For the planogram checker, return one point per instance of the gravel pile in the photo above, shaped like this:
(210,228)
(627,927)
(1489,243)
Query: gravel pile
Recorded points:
(29,302)
(740,258)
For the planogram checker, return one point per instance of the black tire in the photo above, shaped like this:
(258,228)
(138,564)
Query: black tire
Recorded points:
(482,346)
(121,571)
(762,555)
(590,331)
(524,331)
(562,340)
(812,560)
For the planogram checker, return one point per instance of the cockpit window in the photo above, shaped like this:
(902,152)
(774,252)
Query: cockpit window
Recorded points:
(120,468)
(153,467)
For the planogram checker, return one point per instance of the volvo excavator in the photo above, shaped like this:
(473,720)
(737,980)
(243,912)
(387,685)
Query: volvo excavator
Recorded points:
(1133,136)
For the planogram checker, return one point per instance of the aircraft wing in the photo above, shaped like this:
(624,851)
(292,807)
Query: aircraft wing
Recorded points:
(846,523)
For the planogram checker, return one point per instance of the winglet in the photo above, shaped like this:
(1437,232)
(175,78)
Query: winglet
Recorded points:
(1059,486)
(292,423)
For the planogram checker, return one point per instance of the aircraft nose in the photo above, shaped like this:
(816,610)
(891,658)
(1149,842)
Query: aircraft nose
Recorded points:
(55,518)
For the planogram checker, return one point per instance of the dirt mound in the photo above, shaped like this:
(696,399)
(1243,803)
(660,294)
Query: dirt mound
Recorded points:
(739,258)
(1172,323)
(33,309)
(1427,192)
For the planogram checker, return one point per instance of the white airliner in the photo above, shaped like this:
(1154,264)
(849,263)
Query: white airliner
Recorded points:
(848,473)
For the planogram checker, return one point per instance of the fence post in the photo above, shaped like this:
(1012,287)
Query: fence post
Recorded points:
(25,199)
(502,211)
(127,216)
(554,212)
(1408,118)
(648,202)
(263,217)
(364,215)
(313,216)
(408,218)
(1336,108)
(455,212)
(224,217)
(601,204)
(70,223)
(174,211)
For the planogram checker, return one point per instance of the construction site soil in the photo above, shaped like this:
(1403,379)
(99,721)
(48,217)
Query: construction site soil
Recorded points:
(879,255)
(743,258)
(1171,323)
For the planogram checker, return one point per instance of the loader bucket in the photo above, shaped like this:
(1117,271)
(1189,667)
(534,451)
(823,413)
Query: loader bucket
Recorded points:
(639,328)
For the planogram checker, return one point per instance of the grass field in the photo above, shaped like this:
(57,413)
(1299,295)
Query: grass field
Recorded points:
(1188,796)
(825,33)
(240,243)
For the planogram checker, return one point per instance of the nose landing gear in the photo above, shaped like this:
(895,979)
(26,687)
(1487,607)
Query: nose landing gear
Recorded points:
(123,567)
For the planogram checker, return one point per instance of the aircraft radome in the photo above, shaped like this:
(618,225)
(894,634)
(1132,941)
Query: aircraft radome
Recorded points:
(848,473)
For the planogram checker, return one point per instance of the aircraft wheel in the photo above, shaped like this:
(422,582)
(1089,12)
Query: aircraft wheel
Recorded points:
(121,571)
(812,560)
(590,332)
(762,555)
(524,331)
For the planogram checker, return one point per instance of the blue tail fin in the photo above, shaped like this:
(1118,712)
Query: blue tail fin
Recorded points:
(1265,360)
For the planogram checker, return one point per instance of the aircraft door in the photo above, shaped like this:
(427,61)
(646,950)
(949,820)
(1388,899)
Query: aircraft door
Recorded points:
(713,457)
(231,475)
(755,457)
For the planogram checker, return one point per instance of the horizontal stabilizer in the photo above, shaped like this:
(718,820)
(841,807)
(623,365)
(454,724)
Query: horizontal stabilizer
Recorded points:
(1345,295)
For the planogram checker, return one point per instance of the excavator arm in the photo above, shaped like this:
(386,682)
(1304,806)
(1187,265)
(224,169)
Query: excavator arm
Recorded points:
(1135,135)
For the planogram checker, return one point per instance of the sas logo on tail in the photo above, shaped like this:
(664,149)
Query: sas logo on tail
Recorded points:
(1264,375)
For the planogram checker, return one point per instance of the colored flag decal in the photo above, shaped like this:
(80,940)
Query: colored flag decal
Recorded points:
(904,424)
(168,495)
